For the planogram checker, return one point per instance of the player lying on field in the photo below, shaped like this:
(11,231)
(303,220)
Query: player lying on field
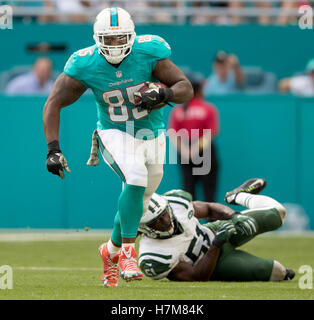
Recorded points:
(176,246)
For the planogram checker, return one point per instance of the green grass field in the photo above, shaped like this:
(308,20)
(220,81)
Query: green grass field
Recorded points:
(68,267)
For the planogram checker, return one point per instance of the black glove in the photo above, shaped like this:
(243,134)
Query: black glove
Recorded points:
(225,231)
(153,97)
(55,160)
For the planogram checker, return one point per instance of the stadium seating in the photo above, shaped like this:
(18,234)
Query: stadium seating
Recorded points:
(258,81)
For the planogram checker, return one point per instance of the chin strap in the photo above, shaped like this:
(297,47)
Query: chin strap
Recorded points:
(178,229)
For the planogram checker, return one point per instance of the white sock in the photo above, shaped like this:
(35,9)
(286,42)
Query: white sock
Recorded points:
(278,273)
(112,248)
(255,201)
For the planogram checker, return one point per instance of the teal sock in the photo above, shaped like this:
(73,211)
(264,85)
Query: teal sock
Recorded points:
(130,210)
(116,232)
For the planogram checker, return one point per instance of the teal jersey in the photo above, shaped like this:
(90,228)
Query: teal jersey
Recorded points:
(114,87)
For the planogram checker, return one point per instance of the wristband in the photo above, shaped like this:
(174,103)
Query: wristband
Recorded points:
(167,94)
(53,146)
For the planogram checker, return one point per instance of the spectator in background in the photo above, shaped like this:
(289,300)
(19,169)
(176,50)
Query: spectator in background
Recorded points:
(135,8)
(290,6)
(196,114)
(37,81)
(72,10)
(201,18)
(227,76)
(300,85)
(162,15)
(263,18)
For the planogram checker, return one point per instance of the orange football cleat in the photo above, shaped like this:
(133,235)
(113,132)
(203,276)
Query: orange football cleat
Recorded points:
(110,276)
(128,266)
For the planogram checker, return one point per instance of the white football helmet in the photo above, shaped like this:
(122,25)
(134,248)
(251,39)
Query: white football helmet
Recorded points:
(158,205)
(114,22)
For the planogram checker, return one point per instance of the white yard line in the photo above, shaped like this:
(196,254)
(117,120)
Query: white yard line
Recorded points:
(24,235)
(43,235)
(55,269)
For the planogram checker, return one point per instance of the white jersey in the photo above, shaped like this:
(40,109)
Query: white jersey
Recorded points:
(302,86)
(157,257)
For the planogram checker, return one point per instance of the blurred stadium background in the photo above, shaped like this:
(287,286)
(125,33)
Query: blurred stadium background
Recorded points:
(263,132)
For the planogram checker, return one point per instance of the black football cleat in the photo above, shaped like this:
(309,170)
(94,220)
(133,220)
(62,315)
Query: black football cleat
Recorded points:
(253,186)
(289,274)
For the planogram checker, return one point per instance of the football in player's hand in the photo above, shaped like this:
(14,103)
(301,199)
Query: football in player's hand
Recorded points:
(147,87)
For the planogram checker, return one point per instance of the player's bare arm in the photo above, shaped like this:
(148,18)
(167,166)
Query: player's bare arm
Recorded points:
(235,65)
(202,271)
(284,85)
(216,211)
(204,268)
(212,211)
(65,91)
(168,73)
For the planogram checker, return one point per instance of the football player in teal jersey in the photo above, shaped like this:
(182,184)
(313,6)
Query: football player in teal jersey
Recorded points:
(129,132)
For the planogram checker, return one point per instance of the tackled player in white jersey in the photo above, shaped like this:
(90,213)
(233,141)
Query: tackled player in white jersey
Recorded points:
(176,246)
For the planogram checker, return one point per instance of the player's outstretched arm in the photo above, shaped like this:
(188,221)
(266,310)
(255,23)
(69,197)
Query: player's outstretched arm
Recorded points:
(215,211)
(168,73)
(65,91)
(212,211)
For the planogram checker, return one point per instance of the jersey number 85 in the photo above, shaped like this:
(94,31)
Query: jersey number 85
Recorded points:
(117,110)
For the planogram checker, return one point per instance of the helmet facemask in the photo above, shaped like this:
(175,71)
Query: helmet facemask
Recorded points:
(115,53)
(151,230)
